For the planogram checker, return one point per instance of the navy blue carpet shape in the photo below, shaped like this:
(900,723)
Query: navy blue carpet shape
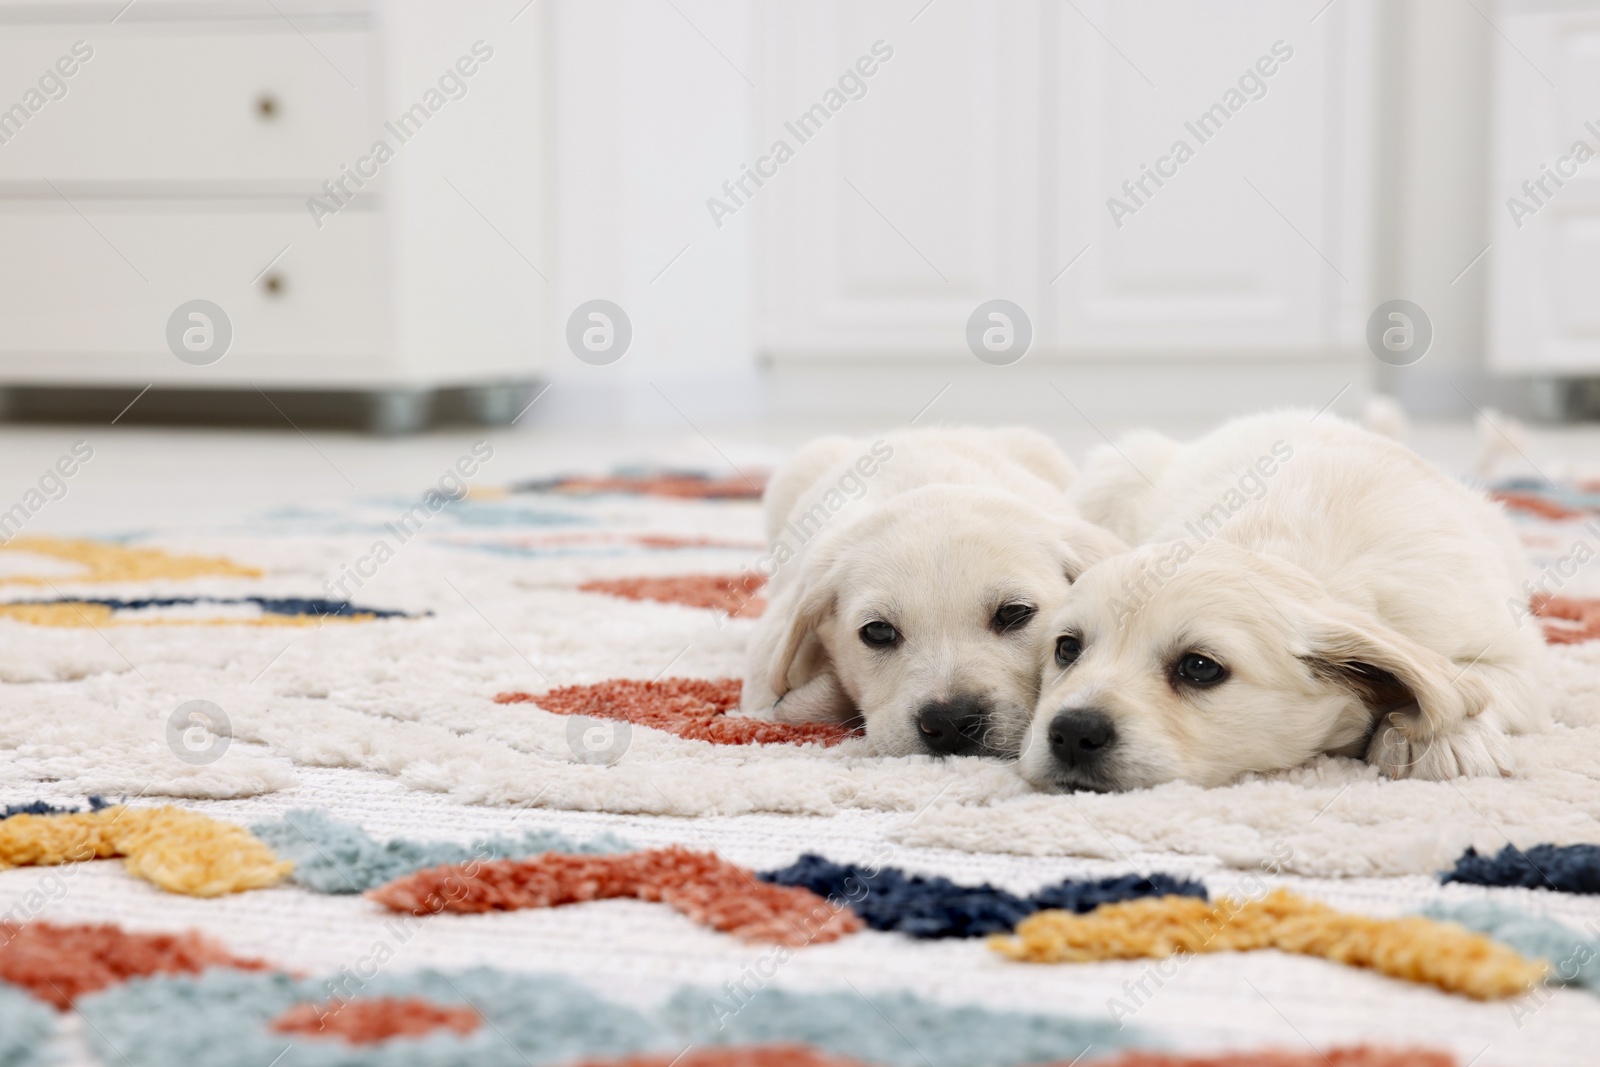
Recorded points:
(39,807)
(934,907)
(1086,896)
(1564,868)
(294,605)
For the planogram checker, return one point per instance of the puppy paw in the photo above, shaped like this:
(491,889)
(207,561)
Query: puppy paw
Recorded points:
(822,699)
(1473,748)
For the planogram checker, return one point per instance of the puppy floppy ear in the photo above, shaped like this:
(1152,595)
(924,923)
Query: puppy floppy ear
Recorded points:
(1419,699)
(813,602)
(785,650)
(1086,544)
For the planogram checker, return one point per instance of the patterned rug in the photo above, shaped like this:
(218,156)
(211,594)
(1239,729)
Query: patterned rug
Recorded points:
(462,775)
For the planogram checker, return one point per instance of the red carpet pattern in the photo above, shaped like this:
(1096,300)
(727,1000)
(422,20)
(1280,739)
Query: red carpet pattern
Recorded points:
(703,886)
(367,1022)
(693,708)
(730,594)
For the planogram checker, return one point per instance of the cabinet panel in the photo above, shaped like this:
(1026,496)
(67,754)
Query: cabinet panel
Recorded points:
(1545,199)
(1193,159)
(914,202)
(1004,143)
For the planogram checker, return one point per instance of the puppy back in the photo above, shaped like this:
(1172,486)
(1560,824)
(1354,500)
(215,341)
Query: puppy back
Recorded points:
(796,478)
(1116,486)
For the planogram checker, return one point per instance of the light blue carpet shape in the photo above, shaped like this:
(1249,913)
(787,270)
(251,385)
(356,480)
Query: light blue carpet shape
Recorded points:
(339,857)
(894,1029)
(222,1019)
(26,1023)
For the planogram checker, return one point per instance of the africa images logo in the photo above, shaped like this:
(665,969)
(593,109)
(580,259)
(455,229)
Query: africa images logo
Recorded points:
(199,332)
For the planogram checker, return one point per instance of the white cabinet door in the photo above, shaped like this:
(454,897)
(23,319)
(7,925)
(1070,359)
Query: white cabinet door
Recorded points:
(982,160)
(1198,152)
(913,203)
(1545,193)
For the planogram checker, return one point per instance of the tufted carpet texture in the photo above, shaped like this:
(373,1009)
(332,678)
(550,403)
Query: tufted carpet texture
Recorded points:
(553,666)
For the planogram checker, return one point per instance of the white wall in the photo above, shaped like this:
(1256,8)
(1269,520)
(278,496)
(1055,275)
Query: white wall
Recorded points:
(650,120)
(1434,198)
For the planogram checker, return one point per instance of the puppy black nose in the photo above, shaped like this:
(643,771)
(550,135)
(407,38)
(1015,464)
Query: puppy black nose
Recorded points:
(1081,736)
(953,727)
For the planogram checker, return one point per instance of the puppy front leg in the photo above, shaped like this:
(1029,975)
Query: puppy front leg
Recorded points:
(1498,699)
(822,699)
(1432,717)
(1474,747)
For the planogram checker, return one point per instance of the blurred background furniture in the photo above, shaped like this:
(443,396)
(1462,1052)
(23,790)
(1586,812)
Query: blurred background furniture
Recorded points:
(1245,268)
(588,155)
(1545,312)
(182,163)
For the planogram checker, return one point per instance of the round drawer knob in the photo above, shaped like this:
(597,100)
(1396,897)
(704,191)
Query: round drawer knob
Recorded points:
(267,107)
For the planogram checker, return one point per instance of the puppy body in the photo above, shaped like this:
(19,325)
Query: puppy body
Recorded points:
(1355,599)
(955,542)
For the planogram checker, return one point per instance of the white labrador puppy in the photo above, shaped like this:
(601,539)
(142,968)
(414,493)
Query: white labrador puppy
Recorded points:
(907,574)
(1299,587)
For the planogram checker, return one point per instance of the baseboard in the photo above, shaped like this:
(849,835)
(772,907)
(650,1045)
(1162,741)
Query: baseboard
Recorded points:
(1046,390)
(384,411)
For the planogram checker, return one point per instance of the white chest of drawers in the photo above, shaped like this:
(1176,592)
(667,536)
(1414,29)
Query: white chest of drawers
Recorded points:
(361,187)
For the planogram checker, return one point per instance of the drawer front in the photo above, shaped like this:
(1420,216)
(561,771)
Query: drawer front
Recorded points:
(256,103)
(105,283)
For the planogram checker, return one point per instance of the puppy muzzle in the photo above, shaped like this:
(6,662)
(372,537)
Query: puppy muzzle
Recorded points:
(956,727)
(1083,743)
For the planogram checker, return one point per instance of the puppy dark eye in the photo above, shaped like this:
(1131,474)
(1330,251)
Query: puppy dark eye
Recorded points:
(879,634)
(1200,670)
(1012,617)
(1068,649)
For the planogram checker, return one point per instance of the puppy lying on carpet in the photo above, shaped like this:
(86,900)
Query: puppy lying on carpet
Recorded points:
(1301,586)
(909,572)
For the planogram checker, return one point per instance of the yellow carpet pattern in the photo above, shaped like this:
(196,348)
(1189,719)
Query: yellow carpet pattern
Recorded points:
(1412,948)
(180,851)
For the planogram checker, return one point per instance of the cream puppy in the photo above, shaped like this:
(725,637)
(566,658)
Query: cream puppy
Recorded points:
(1301,586)
(910,575)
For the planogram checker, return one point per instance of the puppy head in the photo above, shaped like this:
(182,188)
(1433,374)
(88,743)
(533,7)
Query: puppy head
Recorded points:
(1169,663)
(921,619)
